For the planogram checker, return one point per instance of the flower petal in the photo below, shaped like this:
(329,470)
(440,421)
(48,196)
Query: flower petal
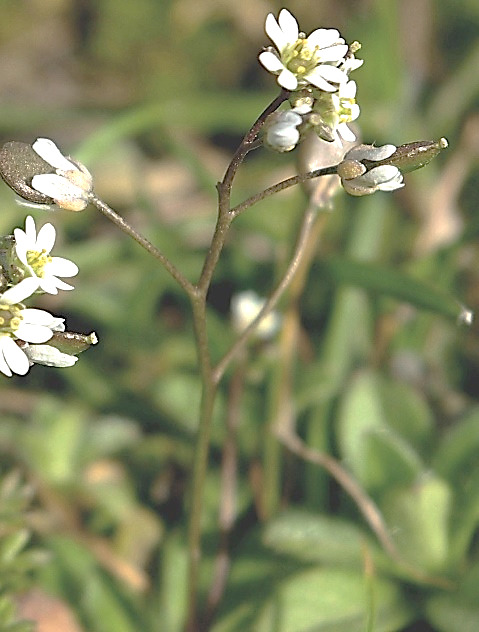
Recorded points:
(58,188)
(46,238)
(270,61)
(33,333)
(369,152)
(21,291)
(287,80)
(14,357)
(4,368)
(323,38)
(288,25)
(49,356)
(22,245)
(59,266)
(50,153)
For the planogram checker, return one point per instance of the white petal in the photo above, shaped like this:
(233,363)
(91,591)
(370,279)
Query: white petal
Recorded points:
(49,356)
(333,53)
(50,153)
(4,368)
(33,333)
(59,266)
(21,291)
(288,25)
(369,152)
(46,238)
(315,77)
(346,133)
(270,61)
(331,73)
(16,360)
(22,245)
(323,38)
(287,80)
(348,90)
(57,187)
(51,285)
(34,316)
(30,228)
(274,32)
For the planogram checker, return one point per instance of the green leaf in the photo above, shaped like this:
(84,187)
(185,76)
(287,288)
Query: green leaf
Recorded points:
(311,537)
(332,600)
(457,452)
(458,611)
(11,545)
(418,516)
(394,283)
(377,455)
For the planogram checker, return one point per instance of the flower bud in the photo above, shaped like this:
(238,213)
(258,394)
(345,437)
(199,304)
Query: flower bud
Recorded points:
(280,131)
(412,156)
(42,175)
(366,169)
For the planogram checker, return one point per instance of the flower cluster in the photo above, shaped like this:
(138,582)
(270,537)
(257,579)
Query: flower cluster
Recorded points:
(28,269)
(316,70)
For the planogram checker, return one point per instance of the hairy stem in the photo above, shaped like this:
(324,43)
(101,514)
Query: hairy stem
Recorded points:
(281,186)
(123,225)
(198,300)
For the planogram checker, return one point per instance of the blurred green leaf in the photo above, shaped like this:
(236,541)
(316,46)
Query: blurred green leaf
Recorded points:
(332,601)
(418,517)
(310,537)
(376,454)
(376,277)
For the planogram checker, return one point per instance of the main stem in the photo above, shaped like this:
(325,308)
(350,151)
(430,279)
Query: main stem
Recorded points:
(209,384)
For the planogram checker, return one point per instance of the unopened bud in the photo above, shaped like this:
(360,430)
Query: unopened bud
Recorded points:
(412,156)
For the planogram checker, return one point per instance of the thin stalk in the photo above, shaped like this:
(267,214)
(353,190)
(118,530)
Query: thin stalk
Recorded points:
(200,464)
(123,225)
(281,186)
(198,296)
(299,252)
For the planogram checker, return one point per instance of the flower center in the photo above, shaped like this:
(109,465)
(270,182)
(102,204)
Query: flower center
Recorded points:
(10,318)
(37,261)
(300,59)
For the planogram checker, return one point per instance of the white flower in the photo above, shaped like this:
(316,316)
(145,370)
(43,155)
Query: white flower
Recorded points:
(71,183)
(333,111)
(20,323)
(346,109)
(301,60)
(245,306)
(357,179)
(34,253)
(281,133)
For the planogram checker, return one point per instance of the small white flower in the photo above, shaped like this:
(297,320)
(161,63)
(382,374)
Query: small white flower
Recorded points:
(300,60)
(245,306)
(347,110)
(281,133)
(333,111)
(69,185)
(33,250)
(20,323)
(358,180)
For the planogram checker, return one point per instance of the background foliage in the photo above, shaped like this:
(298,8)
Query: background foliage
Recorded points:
(153,96)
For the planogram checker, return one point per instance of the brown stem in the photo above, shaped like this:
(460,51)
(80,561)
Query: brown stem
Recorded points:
(281,186)
(299,252)
(123,225)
